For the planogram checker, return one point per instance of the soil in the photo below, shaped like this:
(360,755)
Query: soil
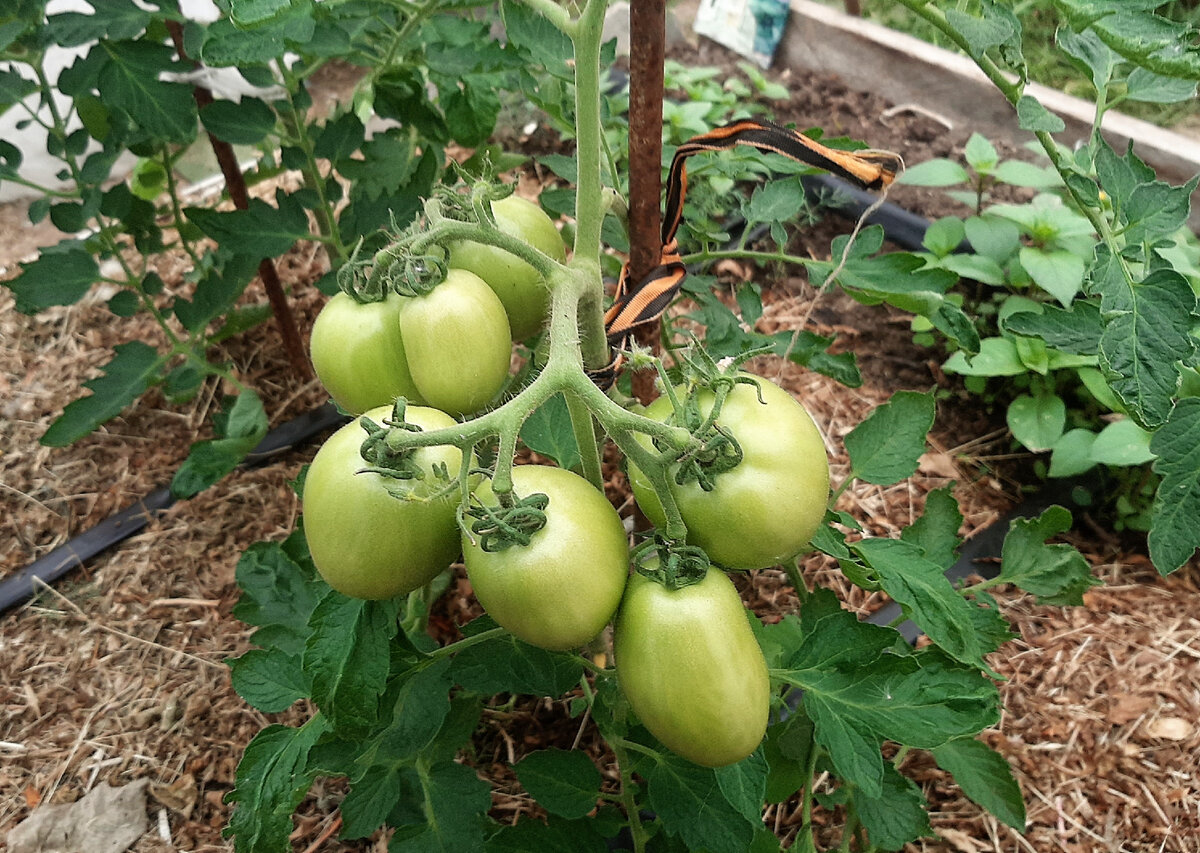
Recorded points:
(117,673)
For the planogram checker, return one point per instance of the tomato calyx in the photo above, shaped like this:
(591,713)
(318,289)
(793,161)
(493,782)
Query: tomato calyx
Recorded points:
(378,452)
(501,527)
(672,564)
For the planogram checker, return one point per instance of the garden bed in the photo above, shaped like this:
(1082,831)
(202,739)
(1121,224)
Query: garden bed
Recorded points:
(118,674)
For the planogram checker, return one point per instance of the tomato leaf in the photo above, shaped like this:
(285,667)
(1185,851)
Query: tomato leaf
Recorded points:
(240,427)
(1076,330)
(744,785)
(565,783)
(61,275)
(936,531)
(985,777)
(270,680)
(505,664)
(786,748)
(1056,574)
(920,586)
(347,657)
(260,231)
(454,800)
(1174,534)
(689,801)
(133,366)
(271,781)
(548,431)
(897,816)
(280,590)
(885,448)
(555,835)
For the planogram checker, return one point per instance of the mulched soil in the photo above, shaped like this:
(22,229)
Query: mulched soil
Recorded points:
(117,674)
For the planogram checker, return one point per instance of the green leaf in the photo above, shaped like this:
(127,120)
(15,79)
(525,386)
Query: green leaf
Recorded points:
(692,806)
(339,138)
(1056,574)
(346,656)
(1148,87)
(1077,330)
(1032,116)
(246,122)
(1147,331)
(226,43)
(885,448)
(786,748)
(1037,421)
(1072,453)
(927,596)
(133,366)
(1174,533)
(1089,53)
(1122,443)
(372,797)
(565,783)
(1058,272)
(271,782)
(61,275)
(419,704)
(548,431)
(505,664)
(279,594)
(109,19)
(997,357)
(471,111)
(993,236)
(1150,41)
(240,427)
(270,680)
(897,816)
(261,231)
(548,45)
(985,777)
(129,82)
(14,87)
(943,236)
(934,173)
(744,785)
(936,531)
(552,836)
(246,13)
(1018,173)
(454,802)
(981,155)
(215,292)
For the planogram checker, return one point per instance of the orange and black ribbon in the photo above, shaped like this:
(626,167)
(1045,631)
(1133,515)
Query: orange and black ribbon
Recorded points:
(644,302)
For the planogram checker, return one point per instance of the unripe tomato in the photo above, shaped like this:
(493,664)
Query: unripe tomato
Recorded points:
(358,353)
(692,670)
(365,542)
(766,509)
(560,590)
(525,295)
(457,343)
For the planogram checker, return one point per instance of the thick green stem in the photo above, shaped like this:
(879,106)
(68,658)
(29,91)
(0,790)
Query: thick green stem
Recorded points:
(632,813)
(589,207)
(584,428)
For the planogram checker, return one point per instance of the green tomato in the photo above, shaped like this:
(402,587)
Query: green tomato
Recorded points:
(457,342)
(523,292)
(689,664)
(358,353)
(365,542)
(765,510)
(559,591)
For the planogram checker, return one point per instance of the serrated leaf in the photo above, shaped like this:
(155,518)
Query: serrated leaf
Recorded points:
(505,664)
(129,373)
(246,122)
(346,656)
(555,835)
(1174,533)
(108,19)
(936,531)
(271,782)
(1090,53)
(689,802)
(786,748)
(744,785)
(1032,116)
(129,82)
(455,800)
(547,44)
(418,705)
(985,777)
(1146,86)
(897,816)
(240,429)
(226,43)
(279,594)
(1037,421)
(1153,42)
(471,110)
(565,783)
(260,231)
(60,276)
(927,596)
(215,292)
(885,448)
(548,431)
(372,797)
(1077,330)
(270,680)
(1056,574)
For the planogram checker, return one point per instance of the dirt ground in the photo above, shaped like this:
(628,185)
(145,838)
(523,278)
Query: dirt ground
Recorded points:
(117,673)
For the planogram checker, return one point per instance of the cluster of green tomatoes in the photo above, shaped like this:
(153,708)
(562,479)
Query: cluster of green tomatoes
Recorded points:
(551,561)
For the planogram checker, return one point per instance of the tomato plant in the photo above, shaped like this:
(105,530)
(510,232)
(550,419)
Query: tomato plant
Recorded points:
(521,288)
(691,667)
(365,542)
(765,509)
(560,588)
(358,353)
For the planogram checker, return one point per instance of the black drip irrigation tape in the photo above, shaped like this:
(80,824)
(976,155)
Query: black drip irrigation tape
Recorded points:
(22,585)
